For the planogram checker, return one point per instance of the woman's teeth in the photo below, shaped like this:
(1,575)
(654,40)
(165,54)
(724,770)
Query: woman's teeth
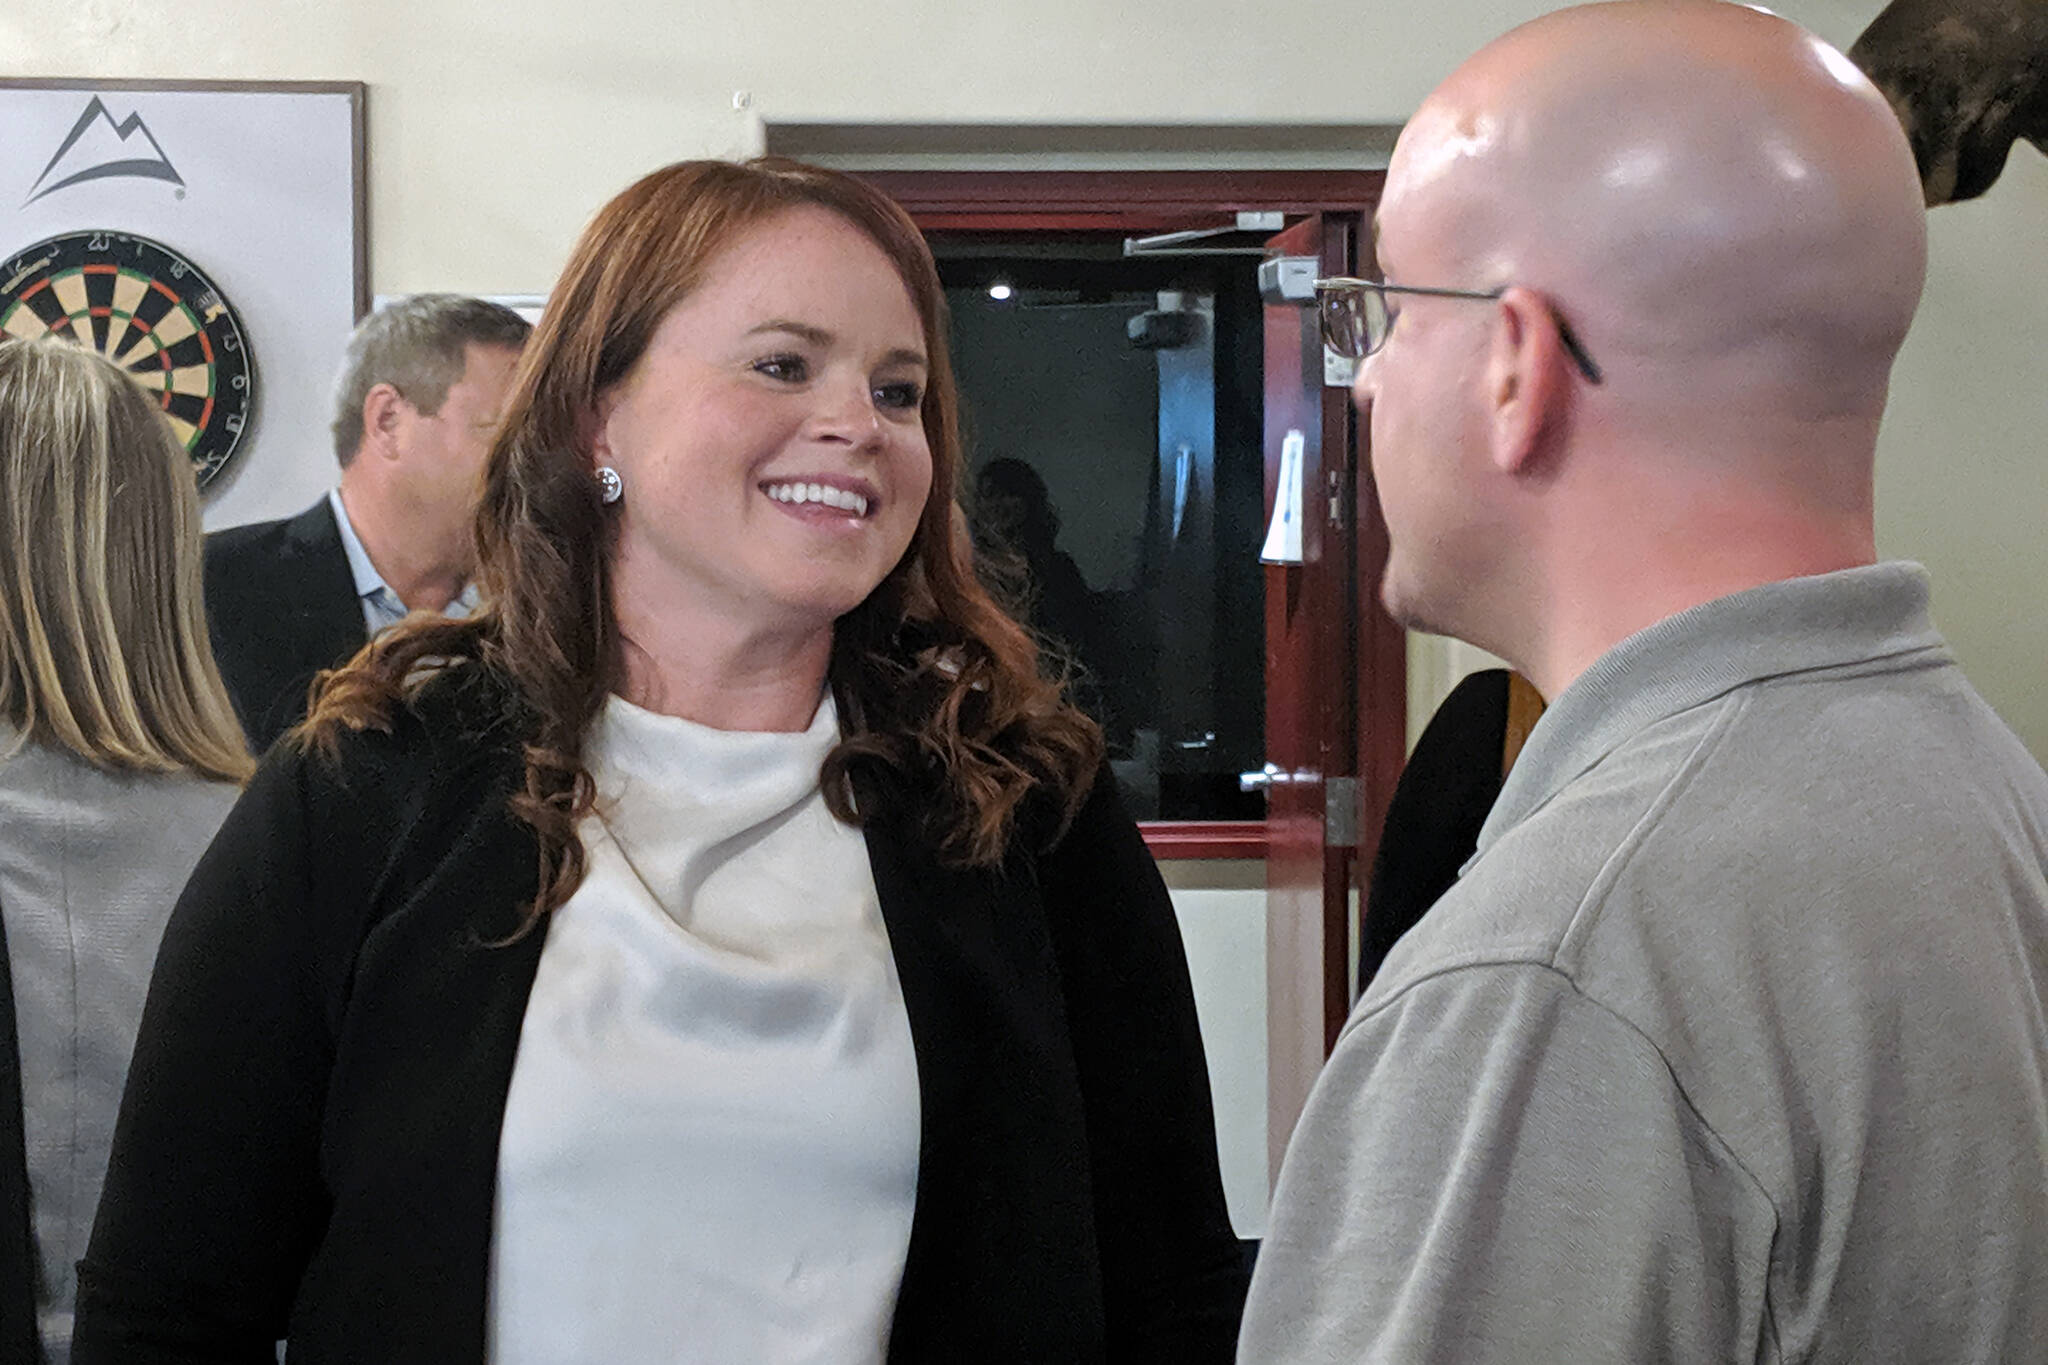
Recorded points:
(819,493)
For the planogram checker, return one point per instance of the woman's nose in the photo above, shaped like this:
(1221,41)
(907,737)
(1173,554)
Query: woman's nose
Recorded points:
(848,412)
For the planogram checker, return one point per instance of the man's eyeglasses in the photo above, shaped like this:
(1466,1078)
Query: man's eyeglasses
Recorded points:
(1355,317)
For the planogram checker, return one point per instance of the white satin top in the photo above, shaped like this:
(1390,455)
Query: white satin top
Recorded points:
(710,1142)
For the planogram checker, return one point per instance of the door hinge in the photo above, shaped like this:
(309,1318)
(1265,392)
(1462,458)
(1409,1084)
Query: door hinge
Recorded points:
(1288,281)
(1340,812)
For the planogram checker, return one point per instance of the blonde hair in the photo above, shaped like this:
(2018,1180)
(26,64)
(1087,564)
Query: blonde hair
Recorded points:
(103,646)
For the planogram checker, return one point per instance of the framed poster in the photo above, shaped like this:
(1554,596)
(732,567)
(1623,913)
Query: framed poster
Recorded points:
(210,239)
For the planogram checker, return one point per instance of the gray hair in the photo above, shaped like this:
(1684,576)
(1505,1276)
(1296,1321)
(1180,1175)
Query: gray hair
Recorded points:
(419,346)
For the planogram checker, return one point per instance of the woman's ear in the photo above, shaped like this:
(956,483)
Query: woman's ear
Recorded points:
(1527,383)
(593,429)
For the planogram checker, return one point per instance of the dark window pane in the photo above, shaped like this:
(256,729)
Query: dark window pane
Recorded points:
(1112,416)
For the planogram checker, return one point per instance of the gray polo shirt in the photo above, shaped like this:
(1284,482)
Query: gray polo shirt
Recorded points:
(1729,1045)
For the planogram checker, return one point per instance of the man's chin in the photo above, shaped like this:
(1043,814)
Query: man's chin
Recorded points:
(1405,605)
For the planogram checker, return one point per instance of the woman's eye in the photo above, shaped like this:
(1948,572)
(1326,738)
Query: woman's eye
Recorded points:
(791,369)
(900,397)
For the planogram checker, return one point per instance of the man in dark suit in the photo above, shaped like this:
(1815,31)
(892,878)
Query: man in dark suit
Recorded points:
(418,401)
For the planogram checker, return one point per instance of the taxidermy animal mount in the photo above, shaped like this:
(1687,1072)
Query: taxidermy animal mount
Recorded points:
(1968,79)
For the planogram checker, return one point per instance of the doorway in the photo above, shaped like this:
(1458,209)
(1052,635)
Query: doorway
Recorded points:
(1265,700)
(1110,415)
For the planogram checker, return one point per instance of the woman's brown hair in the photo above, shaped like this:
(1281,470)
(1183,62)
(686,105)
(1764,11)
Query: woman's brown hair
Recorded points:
(103,647)
(932,678)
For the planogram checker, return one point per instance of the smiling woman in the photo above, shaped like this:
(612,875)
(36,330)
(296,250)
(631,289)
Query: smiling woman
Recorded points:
(725,946)
(775,468)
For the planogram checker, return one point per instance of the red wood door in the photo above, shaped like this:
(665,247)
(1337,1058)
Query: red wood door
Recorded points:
(1310,695)
(1335,666)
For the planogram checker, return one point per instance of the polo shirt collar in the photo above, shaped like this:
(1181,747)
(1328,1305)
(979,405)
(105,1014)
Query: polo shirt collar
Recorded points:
(1797,625)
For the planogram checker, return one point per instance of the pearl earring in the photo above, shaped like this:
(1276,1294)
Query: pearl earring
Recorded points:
(610,487)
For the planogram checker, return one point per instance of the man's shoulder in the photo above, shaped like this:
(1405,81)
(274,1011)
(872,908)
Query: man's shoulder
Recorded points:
(1875,778)
(1779,840)
(274,569)
(231,539)
(1520,900)
(1787,782)
(314,528)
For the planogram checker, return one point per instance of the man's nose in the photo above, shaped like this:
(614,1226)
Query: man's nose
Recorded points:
(1364,382)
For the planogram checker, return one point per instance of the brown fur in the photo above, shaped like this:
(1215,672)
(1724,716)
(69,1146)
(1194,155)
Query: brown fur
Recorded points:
(1968,79)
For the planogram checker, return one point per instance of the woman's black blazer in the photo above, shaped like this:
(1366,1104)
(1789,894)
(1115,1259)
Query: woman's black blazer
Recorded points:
(308,1146)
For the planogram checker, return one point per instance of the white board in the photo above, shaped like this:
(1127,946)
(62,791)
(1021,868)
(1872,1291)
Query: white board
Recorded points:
(258,186)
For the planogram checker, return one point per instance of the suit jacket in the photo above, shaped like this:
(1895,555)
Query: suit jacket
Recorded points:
(308,1145)
(281,605)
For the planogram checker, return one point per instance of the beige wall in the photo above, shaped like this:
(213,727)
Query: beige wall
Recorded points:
(495,128)
(1962,476)
(1221,907)
(498,125)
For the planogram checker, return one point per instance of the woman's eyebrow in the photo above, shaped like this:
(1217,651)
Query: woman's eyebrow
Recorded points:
(818,336)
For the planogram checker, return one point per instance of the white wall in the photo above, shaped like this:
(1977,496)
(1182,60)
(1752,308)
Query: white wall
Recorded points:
(1222,911)
(1962,474)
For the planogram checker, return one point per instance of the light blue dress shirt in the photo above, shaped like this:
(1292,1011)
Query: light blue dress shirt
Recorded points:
(381,606)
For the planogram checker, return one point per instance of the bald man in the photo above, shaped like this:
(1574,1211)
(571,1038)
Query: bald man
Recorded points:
(1729,1044)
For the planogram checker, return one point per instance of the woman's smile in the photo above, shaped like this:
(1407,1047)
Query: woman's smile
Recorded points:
(793,373)
(824,498)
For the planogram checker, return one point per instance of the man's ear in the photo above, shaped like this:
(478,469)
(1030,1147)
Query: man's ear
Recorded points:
(384,414)
(1526,378)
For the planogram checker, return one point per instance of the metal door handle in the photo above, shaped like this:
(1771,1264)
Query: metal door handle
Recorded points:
(1261,780)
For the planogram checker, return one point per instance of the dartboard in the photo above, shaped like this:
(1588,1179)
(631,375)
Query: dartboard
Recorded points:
(151,312)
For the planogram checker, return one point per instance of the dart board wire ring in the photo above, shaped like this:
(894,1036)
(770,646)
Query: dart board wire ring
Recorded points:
(156,316)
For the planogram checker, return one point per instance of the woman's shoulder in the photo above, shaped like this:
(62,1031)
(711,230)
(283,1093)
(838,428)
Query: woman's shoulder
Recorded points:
(29,766)
(454,743)
(459,716)
(349,805)
(99,832)
(1080,824)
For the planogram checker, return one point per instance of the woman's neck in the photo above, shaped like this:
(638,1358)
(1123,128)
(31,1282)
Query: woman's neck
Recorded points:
(727,675)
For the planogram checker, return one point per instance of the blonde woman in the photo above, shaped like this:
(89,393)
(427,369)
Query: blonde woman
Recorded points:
(119,755)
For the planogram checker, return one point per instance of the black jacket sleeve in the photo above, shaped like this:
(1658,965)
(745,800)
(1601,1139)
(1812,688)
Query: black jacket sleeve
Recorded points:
(213,1199)
(1446,790)
(1172,1269)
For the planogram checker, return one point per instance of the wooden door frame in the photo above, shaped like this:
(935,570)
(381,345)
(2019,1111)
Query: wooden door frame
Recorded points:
(1311,731)
(1162,201)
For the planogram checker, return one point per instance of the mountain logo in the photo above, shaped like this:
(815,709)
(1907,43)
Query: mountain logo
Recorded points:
(98,148)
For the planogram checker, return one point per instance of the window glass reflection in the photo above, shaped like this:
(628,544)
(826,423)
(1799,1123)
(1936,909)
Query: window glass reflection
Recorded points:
(1112,420)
